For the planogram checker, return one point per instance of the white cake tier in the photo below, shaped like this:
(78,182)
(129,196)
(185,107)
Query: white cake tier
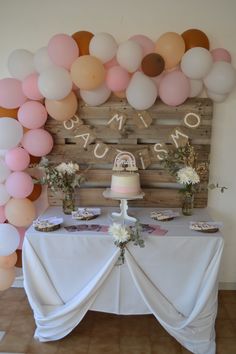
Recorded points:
(125,183)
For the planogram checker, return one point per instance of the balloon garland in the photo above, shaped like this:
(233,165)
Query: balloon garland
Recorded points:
(90,67)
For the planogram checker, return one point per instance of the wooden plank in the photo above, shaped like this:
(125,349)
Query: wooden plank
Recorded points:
(159,186)
(71,152)
(202,106)
(170,198)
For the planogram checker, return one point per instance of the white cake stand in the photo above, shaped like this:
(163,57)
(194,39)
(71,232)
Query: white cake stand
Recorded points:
(123,215)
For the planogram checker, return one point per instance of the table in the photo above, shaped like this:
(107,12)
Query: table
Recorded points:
(175,277)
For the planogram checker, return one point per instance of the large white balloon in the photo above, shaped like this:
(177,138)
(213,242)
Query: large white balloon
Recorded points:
(11,133)
(103,46)
(141,92)
(216,97)
(221,78)
(9,239)
(4,195)
(196,87)
(97,96)
(55,83)
(21,64)
(4,171)
(42,60)
(196,63)
(129,55)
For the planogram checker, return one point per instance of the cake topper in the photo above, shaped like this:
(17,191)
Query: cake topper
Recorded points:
(125,161)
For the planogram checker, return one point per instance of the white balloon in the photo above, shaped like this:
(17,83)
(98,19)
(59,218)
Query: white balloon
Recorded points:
(103,46)
(55,83)
(97,96)
(4,195)
(141,92)
(42,60)
(216,97)
(20,63)
(3,152)
(196,63)
(129,55)
(11,133)
(221,78)
(9,239)
(196,87)
(4,171)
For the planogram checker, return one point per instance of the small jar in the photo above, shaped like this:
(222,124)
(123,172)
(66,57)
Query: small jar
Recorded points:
(68,202)
(188,204)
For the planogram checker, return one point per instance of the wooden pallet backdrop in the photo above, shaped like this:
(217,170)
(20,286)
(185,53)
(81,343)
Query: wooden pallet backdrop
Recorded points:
(159,187)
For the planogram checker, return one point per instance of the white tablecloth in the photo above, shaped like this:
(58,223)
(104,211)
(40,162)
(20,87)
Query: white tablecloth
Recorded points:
(174,277)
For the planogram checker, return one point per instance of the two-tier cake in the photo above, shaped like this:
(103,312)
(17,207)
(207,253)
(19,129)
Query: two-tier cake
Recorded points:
(125,181)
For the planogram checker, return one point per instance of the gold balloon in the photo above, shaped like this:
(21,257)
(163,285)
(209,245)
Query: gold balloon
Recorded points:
(63,109)
(87,72)
(7,112)
(171,47)
(195,38)
(20,212)
(83,39)
(19,259)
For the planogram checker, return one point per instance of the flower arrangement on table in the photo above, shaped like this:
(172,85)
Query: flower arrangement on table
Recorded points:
(183,165)
(64,178)
(123,235)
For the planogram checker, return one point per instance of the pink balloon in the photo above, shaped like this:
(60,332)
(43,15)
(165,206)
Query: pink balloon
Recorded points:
(221,54)
(111,63)
(21,231)
(146,43)
(174,88)
(11,94)
(63,50)
(32,115)
(19,185)
(117,78)
(30,87)
(17,159)
(38,142)
(2,214)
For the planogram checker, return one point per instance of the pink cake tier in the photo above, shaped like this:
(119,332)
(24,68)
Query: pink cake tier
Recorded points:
(126,184)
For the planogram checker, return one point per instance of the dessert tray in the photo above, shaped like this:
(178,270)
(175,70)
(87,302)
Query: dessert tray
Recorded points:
(204,226)
(47,224)
(86,213)
(164,215)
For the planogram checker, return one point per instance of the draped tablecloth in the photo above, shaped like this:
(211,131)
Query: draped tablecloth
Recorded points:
(174,277)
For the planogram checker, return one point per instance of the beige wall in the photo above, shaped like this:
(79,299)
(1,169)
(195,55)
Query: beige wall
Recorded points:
(29,24)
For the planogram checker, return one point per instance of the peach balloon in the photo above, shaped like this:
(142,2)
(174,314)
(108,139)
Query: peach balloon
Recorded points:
(2,214)
(87,72)
(171,47)
(120,94)
(7,277)
(62,110)
(20,212)
(8,261)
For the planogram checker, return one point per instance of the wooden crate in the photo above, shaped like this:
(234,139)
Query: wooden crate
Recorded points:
(159,187)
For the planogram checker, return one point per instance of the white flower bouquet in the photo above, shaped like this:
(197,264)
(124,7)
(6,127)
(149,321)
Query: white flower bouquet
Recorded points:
(188,177)
(63,177)
(123,235)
